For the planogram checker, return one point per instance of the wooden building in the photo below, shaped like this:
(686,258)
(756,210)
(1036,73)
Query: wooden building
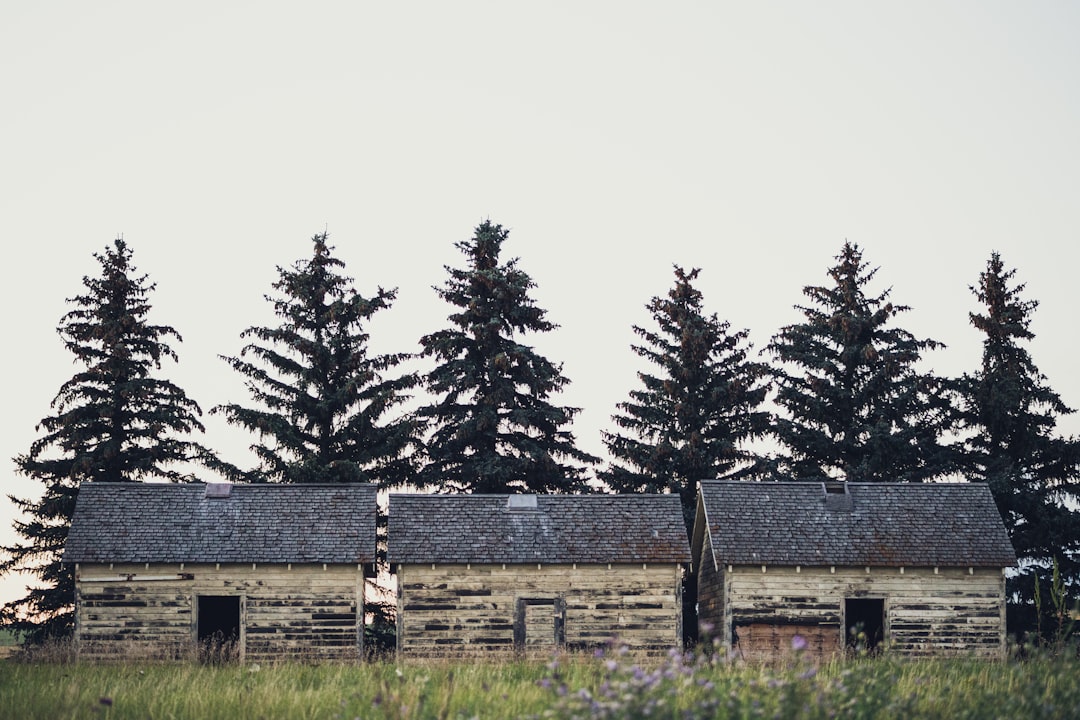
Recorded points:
(267,571)
(918,568)
(482,573)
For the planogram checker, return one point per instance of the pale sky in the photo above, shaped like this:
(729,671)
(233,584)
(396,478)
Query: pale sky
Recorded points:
(614,139)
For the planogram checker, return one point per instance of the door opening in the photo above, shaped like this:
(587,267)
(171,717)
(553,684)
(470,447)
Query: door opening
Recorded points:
(218,628)
(864,623)
(539,623)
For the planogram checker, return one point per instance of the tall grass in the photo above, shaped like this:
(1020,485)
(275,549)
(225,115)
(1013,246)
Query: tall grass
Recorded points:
(608,685)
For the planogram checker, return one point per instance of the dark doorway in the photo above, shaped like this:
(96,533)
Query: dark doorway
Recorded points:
(218,630)
(864,623)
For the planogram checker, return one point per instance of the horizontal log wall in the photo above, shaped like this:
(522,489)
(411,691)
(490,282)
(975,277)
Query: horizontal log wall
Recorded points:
(462,609)
(302,612)
(947,612)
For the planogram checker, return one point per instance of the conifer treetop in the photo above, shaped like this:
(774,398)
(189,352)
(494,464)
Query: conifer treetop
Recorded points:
(322,401)
(857,405)
(493,428)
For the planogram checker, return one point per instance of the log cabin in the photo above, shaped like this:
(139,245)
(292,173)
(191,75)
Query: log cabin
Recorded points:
(530,574)
(255,572)
(918,568)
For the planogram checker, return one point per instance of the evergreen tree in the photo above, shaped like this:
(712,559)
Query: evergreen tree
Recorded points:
(1012,446)
(857,406)
(690,421)
(113,421)
(493,429)
(322,401)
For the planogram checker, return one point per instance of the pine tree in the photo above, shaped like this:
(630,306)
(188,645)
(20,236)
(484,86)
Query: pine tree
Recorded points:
(690,421)
(493,429)
(322,401)
(1012,415)
(114,421)
(857,407)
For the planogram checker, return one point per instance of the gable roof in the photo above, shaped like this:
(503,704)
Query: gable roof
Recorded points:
(553,529)
(882,524)
(194,523)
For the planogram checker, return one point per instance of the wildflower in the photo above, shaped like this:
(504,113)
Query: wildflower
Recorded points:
(611,665)
(808,673)
(798,643)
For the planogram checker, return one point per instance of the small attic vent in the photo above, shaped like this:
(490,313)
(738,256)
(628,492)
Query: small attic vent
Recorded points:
(218,490)
(837,498)
(521,503)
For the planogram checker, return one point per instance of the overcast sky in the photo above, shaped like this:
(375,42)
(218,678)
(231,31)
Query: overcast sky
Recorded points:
(614,139)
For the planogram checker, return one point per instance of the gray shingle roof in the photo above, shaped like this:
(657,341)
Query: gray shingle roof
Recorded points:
(891,524)
(155,522)
(561,529)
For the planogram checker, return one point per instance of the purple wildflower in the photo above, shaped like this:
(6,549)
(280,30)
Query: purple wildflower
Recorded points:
(798,643)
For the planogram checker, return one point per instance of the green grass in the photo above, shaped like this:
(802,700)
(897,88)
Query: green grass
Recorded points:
(585,687)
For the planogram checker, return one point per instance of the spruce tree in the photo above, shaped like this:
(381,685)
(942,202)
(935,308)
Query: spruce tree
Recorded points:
(691,420)
(492,426)
(1011,414)
(857,406)
(113,421)
(322,402)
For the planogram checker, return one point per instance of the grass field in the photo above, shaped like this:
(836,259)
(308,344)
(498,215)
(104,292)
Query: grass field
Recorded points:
(610,686)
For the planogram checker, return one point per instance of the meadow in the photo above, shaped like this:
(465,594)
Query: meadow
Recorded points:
(603,685)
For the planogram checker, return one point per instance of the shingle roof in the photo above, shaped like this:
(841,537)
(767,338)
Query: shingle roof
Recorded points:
(561,529)
(891,524)
(155,522)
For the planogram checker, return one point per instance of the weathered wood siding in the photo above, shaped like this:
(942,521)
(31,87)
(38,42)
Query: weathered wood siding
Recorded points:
(302,612)
(710,599)
(950,611)
(465,609)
